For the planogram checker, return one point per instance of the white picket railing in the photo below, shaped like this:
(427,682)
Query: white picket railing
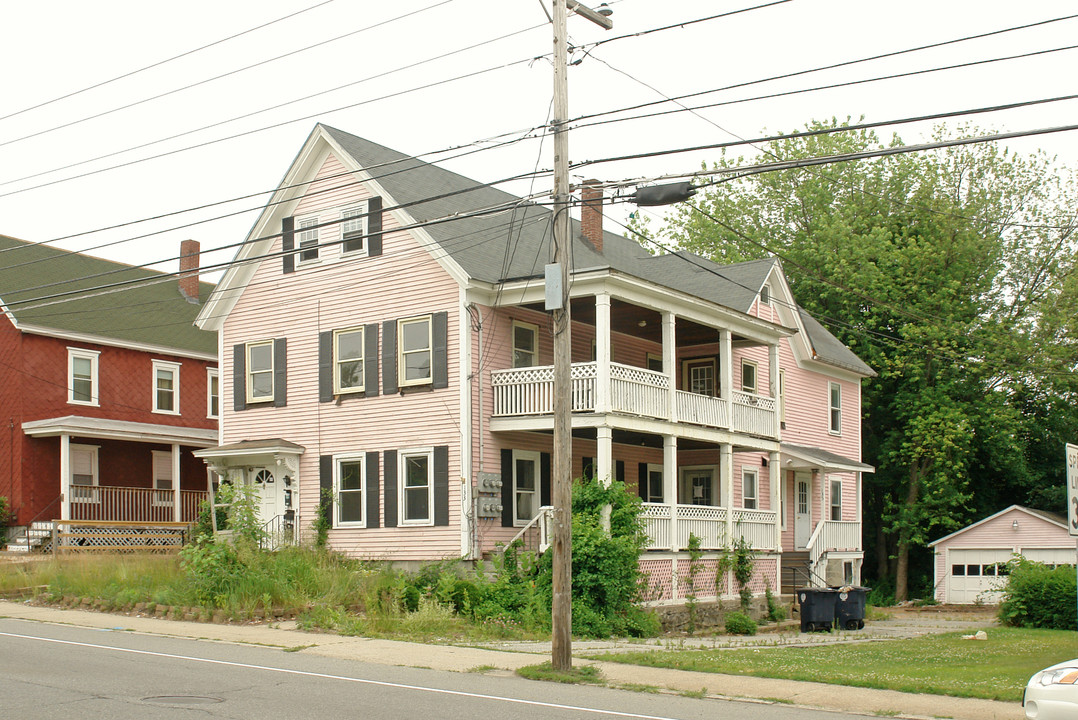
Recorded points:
(757,527)
(708,523)
(832,536)
(633,390)
(657,525)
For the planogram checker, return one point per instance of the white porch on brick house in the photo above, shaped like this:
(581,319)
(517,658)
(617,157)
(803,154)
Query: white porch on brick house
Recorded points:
(86,495)
(662,402)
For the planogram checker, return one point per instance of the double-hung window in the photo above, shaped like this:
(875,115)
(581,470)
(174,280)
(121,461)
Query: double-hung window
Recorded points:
(835,393)
(748,489)
(348,361)
(414,348)
(162,478)
(82,376)
(260,371)
(416,487)
(354,230)
(525,344)
(166,387)
(525,486)
(748,376)
(349,510)
(307,239)
(836,499)
(213,393)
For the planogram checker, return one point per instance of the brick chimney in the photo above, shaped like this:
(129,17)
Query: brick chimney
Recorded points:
(189,250)
(591,213)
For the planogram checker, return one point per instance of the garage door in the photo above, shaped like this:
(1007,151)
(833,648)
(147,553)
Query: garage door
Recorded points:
(1050,556)
(973,575)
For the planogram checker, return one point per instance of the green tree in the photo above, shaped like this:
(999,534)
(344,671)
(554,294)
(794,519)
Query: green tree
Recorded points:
(950,273)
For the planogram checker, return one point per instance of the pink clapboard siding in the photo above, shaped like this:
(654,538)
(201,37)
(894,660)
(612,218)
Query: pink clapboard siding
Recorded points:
(336,293)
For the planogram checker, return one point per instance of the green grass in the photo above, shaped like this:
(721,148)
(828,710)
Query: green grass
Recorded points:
(579,674)
(946,664)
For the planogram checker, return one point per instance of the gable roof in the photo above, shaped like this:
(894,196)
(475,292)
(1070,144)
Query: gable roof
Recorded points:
(829,349)
(1042,514)
(149,313)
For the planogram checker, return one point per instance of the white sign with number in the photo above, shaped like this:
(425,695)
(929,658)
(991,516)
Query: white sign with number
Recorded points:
(1072,489)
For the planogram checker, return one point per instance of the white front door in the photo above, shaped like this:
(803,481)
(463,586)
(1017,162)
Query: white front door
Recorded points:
(268,494)
(698,486)
(802,509)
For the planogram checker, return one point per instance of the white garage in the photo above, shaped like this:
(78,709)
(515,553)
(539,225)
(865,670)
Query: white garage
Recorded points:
(968,563)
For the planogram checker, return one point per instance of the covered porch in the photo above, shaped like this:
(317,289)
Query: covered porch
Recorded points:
(113,470)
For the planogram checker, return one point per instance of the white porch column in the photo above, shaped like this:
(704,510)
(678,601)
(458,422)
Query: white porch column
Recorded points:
(65,477)
(602,353)
(176,511)
(726,371)
(670,365)
(774,471)
(604,451)
(773,383)
(726,482)
(670,498)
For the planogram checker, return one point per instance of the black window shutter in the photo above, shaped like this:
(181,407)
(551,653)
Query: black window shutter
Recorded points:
(374,226)
(440,351)
(441,485)
(239,377)
(389,471)
(288,260)
(544,478)
(280,372)
(325,366)
(642,482)
(325,486)
(370,360)
(507,488)
(587,469)
(619,471)
(371,490)
(389,357)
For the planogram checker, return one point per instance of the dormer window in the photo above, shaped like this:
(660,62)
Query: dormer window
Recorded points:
(765,295)
(354,230)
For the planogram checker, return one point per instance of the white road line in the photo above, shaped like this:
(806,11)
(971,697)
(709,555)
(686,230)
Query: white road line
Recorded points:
(401,686)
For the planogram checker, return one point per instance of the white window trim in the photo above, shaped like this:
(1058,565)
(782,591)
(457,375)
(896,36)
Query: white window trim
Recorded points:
(93,356)
(831,429)
(361,458)
(213,374)
(174,368)
(833,505)
(745,473)
(401,381)
(755,376)
(534,456)
(765,294)
(153,478)
(402,457)
(337,389)
(94,451)
(686,373)
(534,329)
(653,357)
(299,230)
(716,485)
(655,467)
(783,502)
(360,211)
(247,369)
(782,395)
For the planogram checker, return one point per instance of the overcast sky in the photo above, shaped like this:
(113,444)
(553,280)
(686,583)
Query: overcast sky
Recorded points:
(59,48)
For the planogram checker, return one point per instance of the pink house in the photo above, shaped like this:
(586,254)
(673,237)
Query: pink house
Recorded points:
(384,344)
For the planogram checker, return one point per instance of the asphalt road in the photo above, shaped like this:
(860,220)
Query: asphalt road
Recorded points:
(58,671)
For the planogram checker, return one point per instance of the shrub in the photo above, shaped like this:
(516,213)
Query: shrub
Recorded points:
(775,611)
(738,623)
(1037,596)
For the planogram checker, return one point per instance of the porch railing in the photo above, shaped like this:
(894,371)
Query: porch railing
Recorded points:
(637,391)
(102,502)
(537,534)
(832,536)
(707,522)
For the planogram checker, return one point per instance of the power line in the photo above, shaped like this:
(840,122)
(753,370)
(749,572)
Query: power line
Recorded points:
(222,75)
(159,63)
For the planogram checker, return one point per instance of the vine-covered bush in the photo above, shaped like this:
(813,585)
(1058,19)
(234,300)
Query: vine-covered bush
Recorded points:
(1038,596)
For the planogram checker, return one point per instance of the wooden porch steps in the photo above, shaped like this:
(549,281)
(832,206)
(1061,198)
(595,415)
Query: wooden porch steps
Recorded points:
(37,537)
(795,571)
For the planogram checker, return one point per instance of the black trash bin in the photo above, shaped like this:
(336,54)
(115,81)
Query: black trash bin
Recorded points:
(850,607)
(817,608)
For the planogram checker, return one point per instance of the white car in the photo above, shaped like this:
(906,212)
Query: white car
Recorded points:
(1052,694)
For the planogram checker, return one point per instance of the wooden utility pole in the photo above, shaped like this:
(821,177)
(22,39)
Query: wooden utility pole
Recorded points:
(561,495)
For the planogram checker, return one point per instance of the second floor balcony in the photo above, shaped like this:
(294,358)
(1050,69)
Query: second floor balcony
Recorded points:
(634,391)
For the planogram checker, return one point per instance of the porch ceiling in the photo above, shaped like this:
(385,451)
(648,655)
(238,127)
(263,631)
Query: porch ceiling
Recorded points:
(106,429)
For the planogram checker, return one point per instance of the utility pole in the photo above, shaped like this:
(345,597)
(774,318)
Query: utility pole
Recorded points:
(558,305)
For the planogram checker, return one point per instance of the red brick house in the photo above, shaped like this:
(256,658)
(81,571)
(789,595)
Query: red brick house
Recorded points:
(106,387)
